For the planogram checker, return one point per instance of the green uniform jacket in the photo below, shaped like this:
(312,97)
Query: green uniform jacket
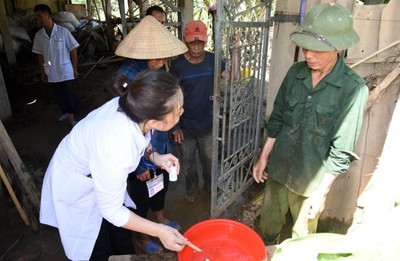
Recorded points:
(316,129)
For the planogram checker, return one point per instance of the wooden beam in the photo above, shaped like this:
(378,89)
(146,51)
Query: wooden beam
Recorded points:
(376,53)
(283,50)
(375,95)
(14,197)
(350,61)
(121,5)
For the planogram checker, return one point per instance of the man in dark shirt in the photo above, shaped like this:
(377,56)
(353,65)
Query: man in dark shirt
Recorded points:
(314,125)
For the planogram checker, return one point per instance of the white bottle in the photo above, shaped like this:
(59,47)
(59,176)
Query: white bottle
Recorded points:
(173,175)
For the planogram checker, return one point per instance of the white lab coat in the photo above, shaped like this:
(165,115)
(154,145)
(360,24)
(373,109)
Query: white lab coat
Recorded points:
(107,145)
(56,53)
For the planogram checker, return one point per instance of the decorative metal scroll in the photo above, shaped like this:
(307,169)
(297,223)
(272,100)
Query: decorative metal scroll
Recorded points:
(241,31)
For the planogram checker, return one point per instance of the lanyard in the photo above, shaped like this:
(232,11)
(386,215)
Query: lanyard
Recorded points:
(148,163)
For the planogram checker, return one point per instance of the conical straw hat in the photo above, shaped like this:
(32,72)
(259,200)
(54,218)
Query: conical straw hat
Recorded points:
(149,39)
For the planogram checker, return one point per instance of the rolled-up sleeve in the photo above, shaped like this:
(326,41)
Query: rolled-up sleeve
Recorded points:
(347,129)
(275,123)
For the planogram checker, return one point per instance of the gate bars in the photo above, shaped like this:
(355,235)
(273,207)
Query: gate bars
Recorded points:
(241,39)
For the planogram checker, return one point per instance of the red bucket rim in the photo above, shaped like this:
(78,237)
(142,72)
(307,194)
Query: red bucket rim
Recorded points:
(233,229)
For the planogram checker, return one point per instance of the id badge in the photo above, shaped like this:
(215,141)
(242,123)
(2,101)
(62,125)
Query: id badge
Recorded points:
(155,185)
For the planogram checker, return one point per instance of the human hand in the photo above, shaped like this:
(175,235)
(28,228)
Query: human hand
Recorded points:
(166,161)
(76,74)
(315,204)
(259,173)
(144,176)
(171,238)
(177,136)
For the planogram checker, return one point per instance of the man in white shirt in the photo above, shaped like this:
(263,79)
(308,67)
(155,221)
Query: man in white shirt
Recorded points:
(58,60)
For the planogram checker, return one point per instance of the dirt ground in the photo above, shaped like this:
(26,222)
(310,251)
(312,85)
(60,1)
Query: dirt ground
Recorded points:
(36,133)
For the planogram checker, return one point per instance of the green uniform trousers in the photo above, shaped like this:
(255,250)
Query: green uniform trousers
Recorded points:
(278,200)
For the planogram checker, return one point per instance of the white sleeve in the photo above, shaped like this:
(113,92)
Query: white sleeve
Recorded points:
(37,47)
(110,166)
(70,41)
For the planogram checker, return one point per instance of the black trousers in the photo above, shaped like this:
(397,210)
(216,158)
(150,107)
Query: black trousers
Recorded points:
(112,240)
(65,95)
(140,195)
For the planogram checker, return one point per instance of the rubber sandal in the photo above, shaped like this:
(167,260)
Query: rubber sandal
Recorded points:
(152,248)
(173,224)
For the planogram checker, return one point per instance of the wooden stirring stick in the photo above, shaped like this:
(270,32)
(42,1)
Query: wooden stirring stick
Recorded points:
(194,247)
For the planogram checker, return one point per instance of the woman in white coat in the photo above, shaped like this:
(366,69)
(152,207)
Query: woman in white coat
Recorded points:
(84,188)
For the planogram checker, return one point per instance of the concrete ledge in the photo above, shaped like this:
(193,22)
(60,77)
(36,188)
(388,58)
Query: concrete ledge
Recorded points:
(168,256)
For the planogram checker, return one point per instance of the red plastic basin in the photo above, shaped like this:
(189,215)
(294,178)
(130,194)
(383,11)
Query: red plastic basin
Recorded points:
(223,240)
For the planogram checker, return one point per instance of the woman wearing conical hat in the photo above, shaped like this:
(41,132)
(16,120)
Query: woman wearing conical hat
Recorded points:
(148,46)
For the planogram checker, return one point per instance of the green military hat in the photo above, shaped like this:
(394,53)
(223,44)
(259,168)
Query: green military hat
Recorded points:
(326,27)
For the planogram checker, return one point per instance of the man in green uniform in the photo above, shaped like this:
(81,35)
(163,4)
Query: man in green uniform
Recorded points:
(314,125)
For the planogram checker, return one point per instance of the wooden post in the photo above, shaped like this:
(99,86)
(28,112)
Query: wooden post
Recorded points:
(282,50)
(121,5)
(131,10)
(5,32)
(89,9)
(188,10)
(97,10)
(5,108)
(107,11)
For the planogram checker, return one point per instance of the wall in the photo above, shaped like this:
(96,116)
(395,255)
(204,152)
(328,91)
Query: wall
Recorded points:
(383,28)
(55,5)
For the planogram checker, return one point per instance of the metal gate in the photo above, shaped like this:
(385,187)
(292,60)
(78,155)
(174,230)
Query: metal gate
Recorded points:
(241,31)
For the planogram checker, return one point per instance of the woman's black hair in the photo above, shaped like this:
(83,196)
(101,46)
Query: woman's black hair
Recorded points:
(150,96)
(118,84)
